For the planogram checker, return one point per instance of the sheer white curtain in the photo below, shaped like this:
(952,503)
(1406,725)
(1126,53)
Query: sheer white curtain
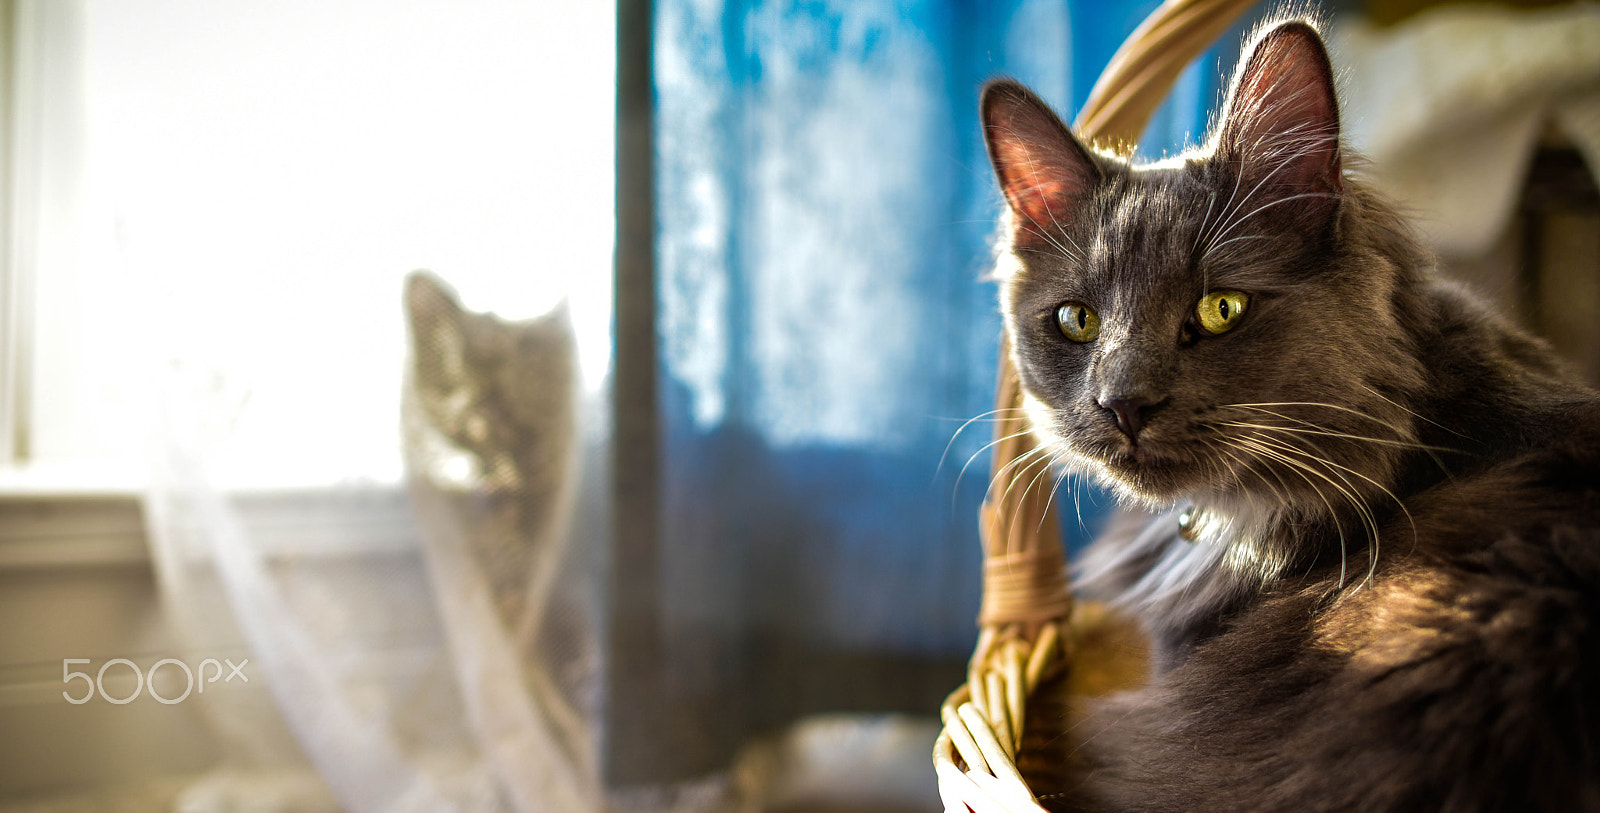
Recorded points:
(259,179)
(398,682)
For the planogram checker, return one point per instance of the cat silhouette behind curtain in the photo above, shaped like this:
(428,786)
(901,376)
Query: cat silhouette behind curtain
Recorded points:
(491,436)
(491,420)
(1374,578)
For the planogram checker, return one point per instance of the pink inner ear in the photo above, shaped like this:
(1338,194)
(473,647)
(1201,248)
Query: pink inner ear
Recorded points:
(1037,191)
(1283,118)
(1043,171)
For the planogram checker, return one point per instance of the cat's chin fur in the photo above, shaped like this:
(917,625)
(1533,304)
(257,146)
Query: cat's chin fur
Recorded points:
(1171,580)
(1150,478)
(1147,567)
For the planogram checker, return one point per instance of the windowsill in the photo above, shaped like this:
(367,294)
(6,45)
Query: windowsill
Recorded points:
(45,526)
(81,515)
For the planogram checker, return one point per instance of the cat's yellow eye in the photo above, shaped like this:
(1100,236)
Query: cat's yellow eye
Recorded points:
(1220,311)
(1077,322)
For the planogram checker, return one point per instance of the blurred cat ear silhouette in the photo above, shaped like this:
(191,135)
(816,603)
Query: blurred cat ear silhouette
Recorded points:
(428,296)
(1281,129)
(1044,171)
(435,326)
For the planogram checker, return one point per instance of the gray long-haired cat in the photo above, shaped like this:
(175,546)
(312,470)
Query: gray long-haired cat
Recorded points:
(1375,585)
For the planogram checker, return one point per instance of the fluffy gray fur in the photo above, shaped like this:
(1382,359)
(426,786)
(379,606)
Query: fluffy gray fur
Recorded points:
(1387,599)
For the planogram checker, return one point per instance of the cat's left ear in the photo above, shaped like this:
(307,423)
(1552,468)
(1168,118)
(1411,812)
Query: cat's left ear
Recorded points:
(1282,124)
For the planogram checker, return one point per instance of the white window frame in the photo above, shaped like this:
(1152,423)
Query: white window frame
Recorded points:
(18,180)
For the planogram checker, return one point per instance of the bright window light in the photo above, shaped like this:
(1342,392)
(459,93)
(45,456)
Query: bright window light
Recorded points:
(260,176)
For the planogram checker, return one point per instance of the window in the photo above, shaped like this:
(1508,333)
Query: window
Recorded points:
(226,196)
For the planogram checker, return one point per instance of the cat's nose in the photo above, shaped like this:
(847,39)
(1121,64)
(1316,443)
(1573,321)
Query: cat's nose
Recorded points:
(1131,411)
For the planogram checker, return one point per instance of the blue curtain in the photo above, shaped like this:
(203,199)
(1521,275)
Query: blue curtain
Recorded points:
(825,214)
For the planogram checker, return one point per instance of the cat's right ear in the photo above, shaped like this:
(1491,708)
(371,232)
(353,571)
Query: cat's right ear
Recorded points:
(1043,170)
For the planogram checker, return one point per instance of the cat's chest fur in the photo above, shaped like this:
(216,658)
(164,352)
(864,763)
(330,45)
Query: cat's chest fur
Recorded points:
(1461,672)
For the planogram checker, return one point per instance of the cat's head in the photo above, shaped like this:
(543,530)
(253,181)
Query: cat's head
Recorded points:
(1220,326)
(499,392)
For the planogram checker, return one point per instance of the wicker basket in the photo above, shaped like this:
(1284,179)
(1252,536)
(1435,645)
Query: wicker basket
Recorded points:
(1030,631)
